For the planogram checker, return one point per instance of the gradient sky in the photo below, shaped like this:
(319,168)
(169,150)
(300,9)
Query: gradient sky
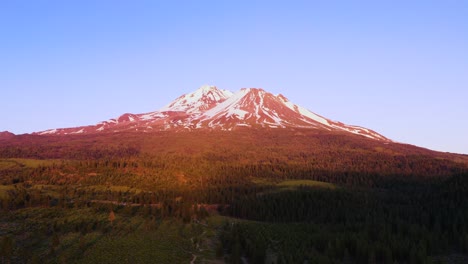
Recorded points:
(398,67)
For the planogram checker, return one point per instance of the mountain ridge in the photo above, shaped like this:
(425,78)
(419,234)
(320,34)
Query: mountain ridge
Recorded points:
(211,108)
(6,135)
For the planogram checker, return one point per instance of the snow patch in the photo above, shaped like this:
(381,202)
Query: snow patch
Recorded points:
(78,132)
(238,112)
(198,101)
(227,104)
(48,132)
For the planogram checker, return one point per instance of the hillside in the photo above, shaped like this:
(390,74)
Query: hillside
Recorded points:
(298,153)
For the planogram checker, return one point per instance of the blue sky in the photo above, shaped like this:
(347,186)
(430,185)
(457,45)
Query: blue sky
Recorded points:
(398,67)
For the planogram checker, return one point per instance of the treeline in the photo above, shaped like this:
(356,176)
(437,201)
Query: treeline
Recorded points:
(176,171)
(39,151)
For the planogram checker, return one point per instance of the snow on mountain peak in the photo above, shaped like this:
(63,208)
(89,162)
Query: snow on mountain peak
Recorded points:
(198,101)
(210,107)
(207,88)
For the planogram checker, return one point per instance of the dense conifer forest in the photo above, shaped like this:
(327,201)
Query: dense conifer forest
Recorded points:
(261,196)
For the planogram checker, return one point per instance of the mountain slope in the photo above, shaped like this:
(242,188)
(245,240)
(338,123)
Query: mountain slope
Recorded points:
(212,108)
(6,135)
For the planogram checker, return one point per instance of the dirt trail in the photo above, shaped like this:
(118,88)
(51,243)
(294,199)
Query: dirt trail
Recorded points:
(194,258)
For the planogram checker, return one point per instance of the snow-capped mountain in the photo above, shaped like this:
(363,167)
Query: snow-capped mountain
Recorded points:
(205,98)
(212,108)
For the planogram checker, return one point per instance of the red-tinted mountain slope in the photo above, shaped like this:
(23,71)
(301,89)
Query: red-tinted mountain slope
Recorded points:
(212,108)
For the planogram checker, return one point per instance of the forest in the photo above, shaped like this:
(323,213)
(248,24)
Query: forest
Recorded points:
(263,196)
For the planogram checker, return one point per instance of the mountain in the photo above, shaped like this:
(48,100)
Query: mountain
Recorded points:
(6,135)
(211,108)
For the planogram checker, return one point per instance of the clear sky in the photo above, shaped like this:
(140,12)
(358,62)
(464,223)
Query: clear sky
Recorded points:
(398,67)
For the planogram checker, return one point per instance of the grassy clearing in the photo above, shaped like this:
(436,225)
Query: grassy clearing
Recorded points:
(101,188)
(51,190)
(263,181)
(294,184)
(34,163)
(86,236)
(6,164)
(4,190)
(152,242)
(138,247)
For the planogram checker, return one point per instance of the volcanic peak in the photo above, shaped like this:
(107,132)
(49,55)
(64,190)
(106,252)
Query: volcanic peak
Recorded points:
(211,108)
(198,101)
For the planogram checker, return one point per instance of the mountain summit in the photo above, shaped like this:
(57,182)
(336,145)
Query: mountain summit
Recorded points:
(211,108)
(206,97)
